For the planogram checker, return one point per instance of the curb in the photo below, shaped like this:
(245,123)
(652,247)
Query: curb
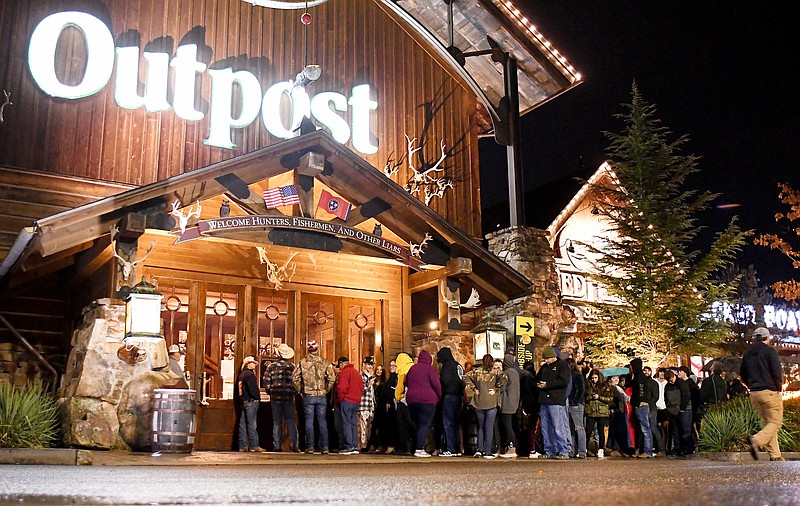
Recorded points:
(75,457)
(46,456)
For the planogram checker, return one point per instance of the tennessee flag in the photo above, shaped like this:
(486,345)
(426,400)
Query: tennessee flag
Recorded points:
(334,205)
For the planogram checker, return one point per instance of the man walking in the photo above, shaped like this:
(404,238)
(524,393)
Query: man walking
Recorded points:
(761,372)
(552,380)
(314,378)
(349,388)
(278,384)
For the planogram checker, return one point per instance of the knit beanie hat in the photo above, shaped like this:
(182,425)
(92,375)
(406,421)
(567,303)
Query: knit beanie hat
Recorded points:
(549,352)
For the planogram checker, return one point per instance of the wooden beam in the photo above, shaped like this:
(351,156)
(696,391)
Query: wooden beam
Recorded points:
(455,268)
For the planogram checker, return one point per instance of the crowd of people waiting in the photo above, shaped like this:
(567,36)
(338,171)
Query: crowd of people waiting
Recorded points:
(564,409)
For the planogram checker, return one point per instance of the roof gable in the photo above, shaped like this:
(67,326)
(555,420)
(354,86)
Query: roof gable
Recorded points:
(372,193)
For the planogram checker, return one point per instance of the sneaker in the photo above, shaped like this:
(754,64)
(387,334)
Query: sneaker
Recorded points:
(535,455)
(511,453)
(478,455)
(562,456)
(581,456)
(244,449)
(325,451)
(490,456)
(446,454)
(421,453)
(600,454)
(644,456)
(777,459)
(457,454)
(754,449)
(349,451)
(309,451)
(258,449)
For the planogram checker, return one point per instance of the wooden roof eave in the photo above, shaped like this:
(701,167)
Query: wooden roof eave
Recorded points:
(90,221)
(351,176)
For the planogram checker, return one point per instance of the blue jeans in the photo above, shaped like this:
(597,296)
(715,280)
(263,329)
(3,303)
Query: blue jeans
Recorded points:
(555,429)
(283,412)
(643,415)
(686,439)
(314,409)
(451,407)
(422,416)
(485,429)
(655,429)
(349,425)
(247,426)
(578,430)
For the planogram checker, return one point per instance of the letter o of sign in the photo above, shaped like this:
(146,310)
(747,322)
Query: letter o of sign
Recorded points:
(99,58)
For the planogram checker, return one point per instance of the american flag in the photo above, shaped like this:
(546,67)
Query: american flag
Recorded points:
(283,196)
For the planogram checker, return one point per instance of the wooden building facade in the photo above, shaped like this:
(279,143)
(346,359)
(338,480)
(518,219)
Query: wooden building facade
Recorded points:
(140,138)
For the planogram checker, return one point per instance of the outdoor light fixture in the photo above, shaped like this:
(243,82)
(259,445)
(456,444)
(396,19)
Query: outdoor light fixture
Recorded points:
(489,336)
(308,75)
(143,313)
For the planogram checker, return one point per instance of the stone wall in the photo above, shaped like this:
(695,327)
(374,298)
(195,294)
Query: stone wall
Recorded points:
(107,391)
(459,342)
(528,251)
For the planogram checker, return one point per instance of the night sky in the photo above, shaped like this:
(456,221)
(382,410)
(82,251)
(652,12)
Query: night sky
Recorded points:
(723,73)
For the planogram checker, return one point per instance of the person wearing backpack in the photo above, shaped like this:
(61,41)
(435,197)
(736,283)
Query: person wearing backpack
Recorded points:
(451,378)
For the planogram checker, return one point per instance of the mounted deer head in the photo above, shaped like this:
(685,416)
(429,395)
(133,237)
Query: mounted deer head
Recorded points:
(128,268)
(425,178)
(184,220)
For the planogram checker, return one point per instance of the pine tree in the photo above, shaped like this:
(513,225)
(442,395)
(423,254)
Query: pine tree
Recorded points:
(664,287)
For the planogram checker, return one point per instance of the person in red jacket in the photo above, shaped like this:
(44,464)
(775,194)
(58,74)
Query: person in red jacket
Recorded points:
(349,388)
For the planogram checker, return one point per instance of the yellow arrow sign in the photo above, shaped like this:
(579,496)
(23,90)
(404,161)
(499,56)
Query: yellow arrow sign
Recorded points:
(524,325)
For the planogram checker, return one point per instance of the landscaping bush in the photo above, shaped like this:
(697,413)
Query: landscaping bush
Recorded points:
(726,425)
(28,417)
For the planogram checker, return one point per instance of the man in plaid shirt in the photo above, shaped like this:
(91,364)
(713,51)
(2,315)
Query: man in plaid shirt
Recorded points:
(277,381)
(366,408)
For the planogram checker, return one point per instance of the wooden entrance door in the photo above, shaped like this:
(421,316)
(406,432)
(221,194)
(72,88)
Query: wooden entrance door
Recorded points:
(342,326)
(218,354)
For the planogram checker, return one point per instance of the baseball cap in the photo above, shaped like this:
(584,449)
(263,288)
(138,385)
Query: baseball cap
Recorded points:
(369,360)
(342,360)
(174,349)
(761,334)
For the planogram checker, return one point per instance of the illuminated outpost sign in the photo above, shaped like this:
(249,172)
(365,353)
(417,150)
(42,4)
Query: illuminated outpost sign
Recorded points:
(101,54)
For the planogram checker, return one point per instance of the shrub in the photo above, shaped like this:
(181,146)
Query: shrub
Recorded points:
(726,425)
(28,416)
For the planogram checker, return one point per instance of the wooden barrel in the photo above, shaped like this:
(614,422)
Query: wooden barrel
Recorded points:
(174,414)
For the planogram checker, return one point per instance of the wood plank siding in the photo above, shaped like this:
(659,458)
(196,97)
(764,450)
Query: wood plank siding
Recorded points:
(355,41)
(26,196)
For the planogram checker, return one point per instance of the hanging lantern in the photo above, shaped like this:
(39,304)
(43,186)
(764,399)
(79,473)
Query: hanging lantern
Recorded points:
(143,312)
(489,336)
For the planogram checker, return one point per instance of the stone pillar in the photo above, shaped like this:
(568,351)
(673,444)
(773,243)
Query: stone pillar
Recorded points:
(106,394)
(527,250)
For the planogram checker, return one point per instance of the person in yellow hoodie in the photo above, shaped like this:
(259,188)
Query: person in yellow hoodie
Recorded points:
(405,427)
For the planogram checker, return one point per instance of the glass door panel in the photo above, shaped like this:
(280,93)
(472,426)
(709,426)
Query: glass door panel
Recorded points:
(320,317)
(221,336)
(361,329)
